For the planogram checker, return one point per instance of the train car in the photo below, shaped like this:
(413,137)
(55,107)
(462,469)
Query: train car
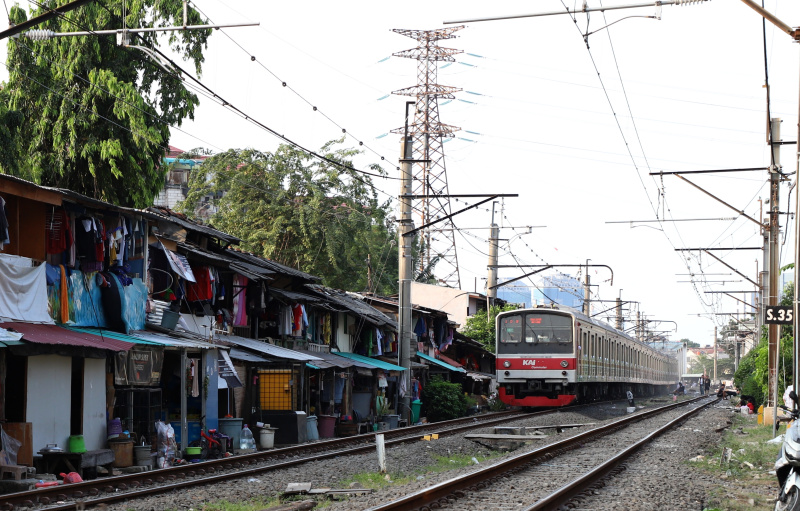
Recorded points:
(555,356)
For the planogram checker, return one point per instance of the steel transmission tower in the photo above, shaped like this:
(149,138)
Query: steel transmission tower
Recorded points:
(427,133)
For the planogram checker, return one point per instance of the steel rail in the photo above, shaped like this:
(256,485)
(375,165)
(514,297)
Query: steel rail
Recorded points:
(481,478)
(119,487)
(568,492)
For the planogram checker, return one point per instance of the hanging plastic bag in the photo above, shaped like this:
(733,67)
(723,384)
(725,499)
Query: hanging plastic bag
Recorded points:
(10,447)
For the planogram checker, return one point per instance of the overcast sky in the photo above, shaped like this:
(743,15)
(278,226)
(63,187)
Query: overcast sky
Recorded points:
(574,131)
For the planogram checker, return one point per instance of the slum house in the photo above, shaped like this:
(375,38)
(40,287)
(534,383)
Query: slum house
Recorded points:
(455,357)
(230,306)
(360,386)
(72,300)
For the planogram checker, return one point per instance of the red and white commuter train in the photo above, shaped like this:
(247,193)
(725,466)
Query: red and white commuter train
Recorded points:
(551,356)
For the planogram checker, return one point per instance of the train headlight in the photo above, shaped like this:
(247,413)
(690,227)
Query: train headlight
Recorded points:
(506,363)
(564,363)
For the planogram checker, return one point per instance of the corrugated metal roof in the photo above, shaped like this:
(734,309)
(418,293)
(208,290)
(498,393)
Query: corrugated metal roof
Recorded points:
(56,335)
(375,363)
(272,265)
(168,340)
(246,356)
(440,363)
(265,348)
(162,213)
(329,360)
(294,296)
(355,305)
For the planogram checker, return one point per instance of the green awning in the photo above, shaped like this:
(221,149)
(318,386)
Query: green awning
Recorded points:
(374,362)
(439,362)
(111,335)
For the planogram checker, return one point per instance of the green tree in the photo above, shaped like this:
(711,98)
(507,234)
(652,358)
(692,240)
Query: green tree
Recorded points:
(753,373)
(290,207)
(443,400)
(98,114)
(690,344)
(481,326)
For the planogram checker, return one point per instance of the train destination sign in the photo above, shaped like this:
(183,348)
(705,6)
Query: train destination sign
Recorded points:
(778,315)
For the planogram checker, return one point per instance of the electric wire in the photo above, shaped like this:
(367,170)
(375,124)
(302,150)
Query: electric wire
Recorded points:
(295,92)
(207,92)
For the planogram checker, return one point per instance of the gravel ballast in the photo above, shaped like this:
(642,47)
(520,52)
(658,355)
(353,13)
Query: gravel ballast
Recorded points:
(657,478)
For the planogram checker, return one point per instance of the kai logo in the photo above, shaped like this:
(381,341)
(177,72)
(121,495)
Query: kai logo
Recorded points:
(529,362)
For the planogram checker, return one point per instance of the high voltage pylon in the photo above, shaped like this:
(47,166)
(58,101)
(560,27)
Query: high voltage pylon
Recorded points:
(427,133)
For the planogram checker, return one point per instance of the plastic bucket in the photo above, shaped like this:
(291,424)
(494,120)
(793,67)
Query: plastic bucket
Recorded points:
(114,428)
(76,444)
(123,453)
(142,455)
(232,428)
(311,428)
(327,426)
(416,407)
(266,437)
(169,319)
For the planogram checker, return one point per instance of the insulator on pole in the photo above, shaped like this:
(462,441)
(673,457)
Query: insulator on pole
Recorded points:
(39,35)
(689,2)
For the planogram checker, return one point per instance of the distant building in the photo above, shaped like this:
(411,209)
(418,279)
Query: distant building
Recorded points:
(176,184)
(559,289)
(515,294)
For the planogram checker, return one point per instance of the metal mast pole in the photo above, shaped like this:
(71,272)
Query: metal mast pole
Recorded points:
(796,352)
(404,270)
(774,264)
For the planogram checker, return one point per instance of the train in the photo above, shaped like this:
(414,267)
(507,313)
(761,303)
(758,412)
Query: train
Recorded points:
(550,356)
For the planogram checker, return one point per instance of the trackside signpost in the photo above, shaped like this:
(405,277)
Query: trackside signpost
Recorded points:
(779,315)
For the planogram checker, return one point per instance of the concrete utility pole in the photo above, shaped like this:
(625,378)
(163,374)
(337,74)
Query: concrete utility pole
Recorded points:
(715,353)
(619,312)
(405,275)
(491,282)
(587,291)
(774,264)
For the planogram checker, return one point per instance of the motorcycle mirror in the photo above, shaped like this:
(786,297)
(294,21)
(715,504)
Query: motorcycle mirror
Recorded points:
(793,395)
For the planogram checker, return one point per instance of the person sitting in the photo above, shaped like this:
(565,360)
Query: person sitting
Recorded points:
(681,390)
(721,391)
(751,406)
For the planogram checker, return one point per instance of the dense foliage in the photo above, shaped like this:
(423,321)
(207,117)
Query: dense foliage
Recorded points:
(443,400)
(292,208)
(753,374)
(481,326)
(97,114)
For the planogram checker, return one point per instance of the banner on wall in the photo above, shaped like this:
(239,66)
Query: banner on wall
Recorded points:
(138,367)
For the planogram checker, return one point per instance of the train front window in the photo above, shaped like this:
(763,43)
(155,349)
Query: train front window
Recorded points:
(535,333)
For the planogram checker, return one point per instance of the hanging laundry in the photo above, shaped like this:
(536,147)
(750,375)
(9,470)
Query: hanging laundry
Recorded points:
(200,290)
(420,329)
(4,236)
(239,300)
(297,320)
(58,237)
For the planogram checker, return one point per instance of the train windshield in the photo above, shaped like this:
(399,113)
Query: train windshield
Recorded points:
(536,333)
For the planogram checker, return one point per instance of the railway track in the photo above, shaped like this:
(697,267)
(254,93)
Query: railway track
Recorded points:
(548,477)
(131,486)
